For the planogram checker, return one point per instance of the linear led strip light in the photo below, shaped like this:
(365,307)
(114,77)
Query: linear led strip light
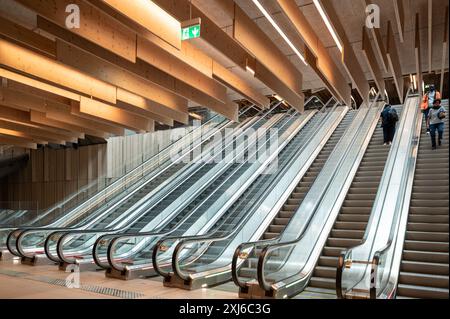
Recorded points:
(328,24)
(283,35)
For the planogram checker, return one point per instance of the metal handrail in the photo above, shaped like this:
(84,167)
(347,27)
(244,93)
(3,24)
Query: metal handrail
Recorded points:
(115,240)
(185,240)
(346,255)
(106,232)
(407,181)
(267,249)
(16,249)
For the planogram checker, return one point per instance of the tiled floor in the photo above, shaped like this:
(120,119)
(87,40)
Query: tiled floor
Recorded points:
(23,281)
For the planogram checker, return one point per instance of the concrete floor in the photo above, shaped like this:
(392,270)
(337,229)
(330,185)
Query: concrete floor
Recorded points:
(47,282)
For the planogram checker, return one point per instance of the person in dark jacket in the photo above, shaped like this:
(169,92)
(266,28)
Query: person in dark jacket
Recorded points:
(388,119)
(435,122)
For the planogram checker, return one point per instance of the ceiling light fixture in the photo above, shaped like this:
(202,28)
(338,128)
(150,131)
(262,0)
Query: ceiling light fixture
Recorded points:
(328,24)
(283,35)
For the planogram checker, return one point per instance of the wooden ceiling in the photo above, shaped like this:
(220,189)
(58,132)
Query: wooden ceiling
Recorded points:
(125,66)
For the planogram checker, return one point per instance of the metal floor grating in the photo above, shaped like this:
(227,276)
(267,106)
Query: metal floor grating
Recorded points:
(124,294)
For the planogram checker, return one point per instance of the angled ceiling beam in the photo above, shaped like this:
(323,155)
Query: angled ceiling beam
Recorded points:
(372,63)
(378,41)
(237,84)
(118,77)
(38,84)
(13,134)
(418,59)
(158,57)
(23,100)
(394,61)
(444,49)
(76,123)
(17,142)
(399,18)
(95,25)
(190,55)
(250,36)
(24,118)
(150,16)
(262,73)
(183,10)
(430,35)
(43,67)
(34,130)
(324,63)
(24,36)
(349,60)
(113,115)
(213,37)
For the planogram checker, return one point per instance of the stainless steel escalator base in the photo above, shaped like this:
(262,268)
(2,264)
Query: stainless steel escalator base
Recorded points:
(36,260)
(128,275)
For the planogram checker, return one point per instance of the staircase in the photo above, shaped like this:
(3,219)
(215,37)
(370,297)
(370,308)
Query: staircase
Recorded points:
(424,266)
(351,222)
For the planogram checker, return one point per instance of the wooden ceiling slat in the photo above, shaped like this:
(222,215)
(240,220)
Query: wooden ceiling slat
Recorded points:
(158,57)
(417,56)
(34,130)
(349,60)
(42,67)
(295,100)
(250,36)
(378,41)
(444,50)
(372,63)
(27,37)
(23,118)
(16,134)
(116,76)
(103,112)
(95,25)
(324,62)
(237,84)
(38,84)
(399,12)
(17,142)
(152,17)
(394,61)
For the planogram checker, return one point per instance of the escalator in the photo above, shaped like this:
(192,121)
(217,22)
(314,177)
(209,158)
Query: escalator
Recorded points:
(294,201)
(28,243)
(80,243)
(139,238)
(71,212)
(351,222)
(424,265)
(208,261)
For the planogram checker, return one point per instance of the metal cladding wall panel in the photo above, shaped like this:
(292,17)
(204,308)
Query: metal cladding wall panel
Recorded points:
(251,37)
(95,25)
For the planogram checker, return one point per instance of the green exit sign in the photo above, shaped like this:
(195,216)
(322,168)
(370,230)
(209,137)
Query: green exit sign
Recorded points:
(190,32)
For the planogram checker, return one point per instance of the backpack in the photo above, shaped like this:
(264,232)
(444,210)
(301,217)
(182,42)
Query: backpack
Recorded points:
(392,115)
